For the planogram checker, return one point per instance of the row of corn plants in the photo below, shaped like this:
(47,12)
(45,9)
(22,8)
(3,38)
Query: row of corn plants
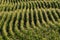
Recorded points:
(13,1)
(22,5)
(30,24)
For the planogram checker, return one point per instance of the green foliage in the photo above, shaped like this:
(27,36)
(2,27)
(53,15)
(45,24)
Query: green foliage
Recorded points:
(29,20)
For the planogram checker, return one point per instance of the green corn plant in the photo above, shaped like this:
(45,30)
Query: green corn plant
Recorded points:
(37,18)
(33,26)
(12,34)
(3,20)
(57,18)
(4,27)
(27,20)
(4,32)
(47,18)
(43,22)
(32,21)
(22,22)
(17,31)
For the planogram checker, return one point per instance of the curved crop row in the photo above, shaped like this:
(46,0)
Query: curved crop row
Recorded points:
(28,24)
(14,1)
(22,5)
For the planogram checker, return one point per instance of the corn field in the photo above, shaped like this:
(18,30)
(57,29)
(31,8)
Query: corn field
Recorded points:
(29,19)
